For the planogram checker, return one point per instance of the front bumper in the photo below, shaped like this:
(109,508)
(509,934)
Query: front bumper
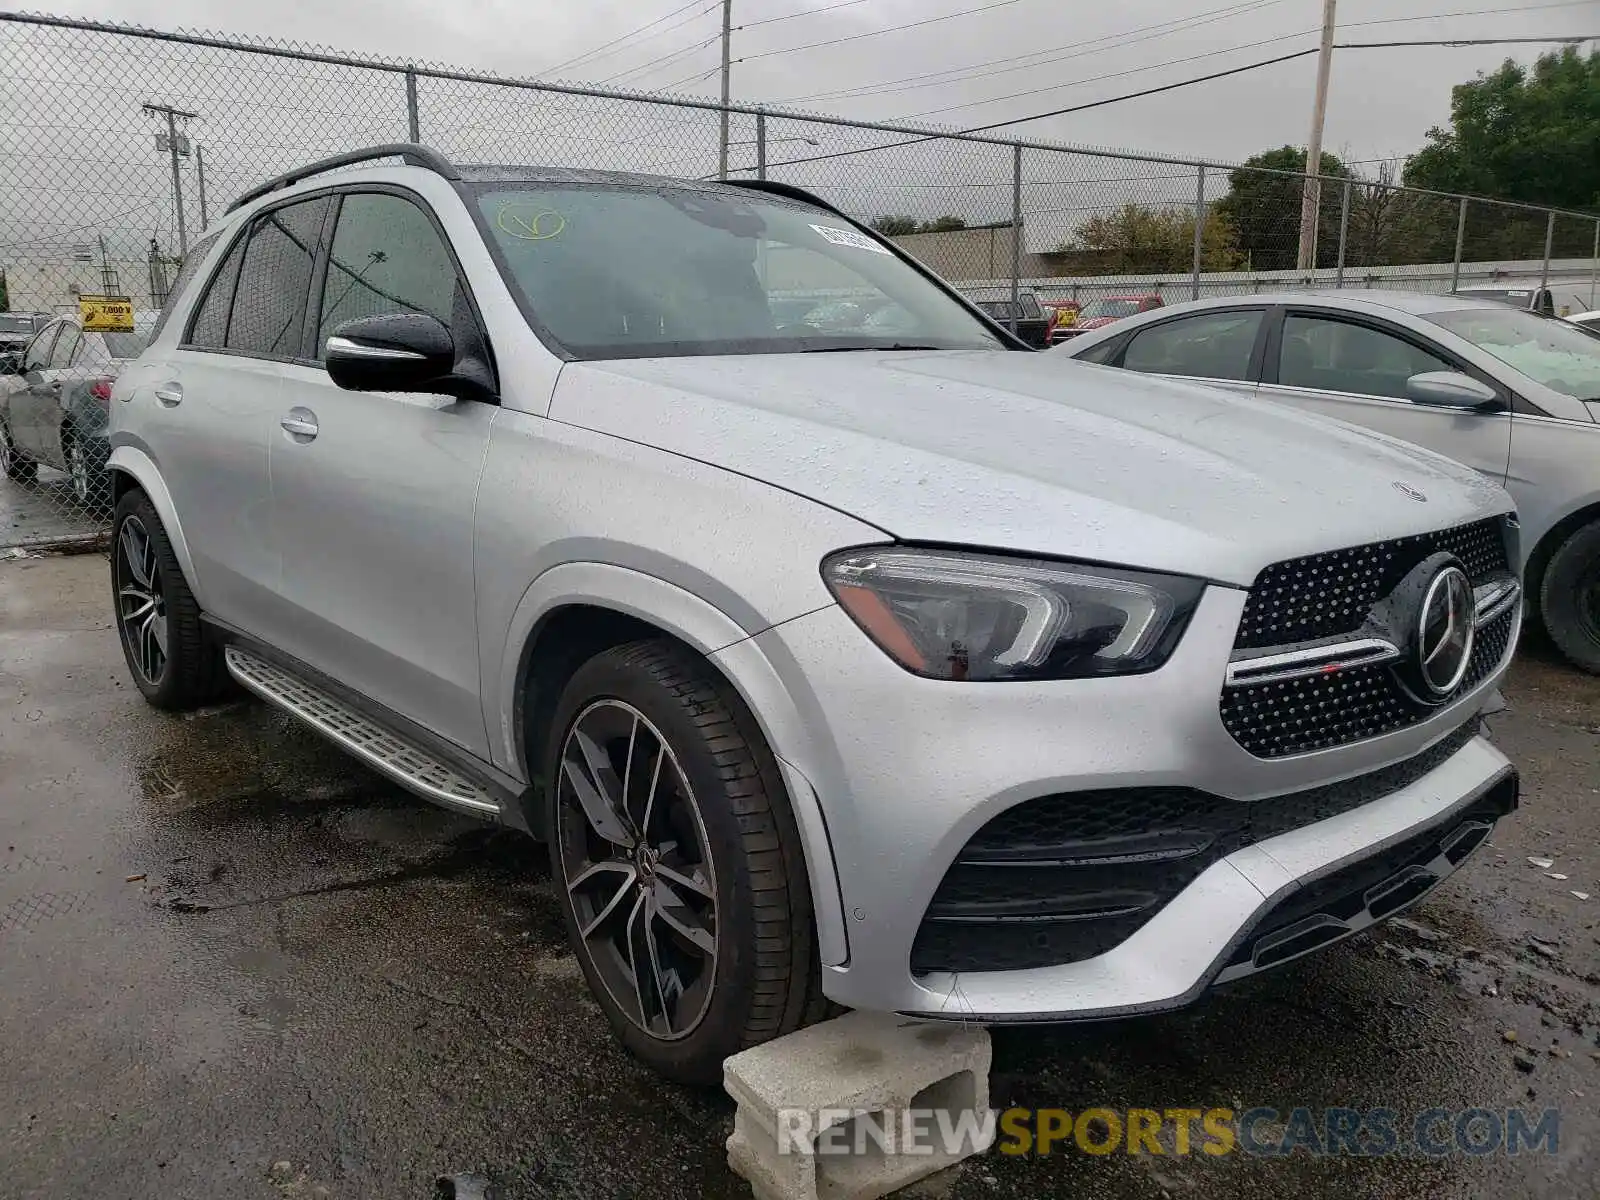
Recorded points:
(907,770)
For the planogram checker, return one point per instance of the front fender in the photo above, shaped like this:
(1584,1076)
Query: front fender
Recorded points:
(138,466)
(740,659)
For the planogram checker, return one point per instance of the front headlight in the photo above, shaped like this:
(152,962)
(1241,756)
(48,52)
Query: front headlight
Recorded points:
(945,614)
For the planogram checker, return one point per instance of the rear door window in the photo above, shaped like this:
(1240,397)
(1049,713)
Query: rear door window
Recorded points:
(269,303)
(1212,345)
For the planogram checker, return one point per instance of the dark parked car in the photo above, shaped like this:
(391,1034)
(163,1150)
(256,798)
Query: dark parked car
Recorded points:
(54,411)
(1533,299)
(15,331)
(1033,321)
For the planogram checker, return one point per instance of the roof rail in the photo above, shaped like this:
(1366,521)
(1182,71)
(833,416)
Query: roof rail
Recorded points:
(411,153)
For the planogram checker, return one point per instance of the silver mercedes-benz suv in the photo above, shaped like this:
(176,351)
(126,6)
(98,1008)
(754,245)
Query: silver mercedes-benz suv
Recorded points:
(873,660)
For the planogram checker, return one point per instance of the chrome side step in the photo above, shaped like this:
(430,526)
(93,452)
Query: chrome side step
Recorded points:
(380,748)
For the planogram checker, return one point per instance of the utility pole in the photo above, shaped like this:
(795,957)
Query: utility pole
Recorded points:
(1311,198)
(173,116)
(727,40)
(200,177)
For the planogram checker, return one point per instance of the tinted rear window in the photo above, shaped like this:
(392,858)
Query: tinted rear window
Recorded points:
(191,264)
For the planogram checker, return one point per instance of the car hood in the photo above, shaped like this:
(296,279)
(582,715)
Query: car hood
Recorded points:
(1035,454)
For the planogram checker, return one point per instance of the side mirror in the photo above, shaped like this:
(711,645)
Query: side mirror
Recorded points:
(1451,389)
(397,352)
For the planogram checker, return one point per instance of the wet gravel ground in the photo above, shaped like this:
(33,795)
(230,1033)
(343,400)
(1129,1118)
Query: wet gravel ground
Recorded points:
(235,964)
(43,510)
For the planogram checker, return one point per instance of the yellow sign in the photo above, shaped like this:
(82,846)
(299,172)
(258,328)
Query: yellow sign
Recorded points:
(106,314)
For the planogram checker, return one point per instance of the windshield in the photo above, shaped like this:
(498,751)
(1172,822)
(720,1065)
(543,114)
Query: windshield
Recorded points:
(634,271)
(13,324)
(1548,351)
(1109,308)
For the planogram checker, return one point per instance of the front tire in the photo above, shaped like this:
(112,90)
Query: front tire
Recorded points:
(174,665)
(1569,598)
(678,862)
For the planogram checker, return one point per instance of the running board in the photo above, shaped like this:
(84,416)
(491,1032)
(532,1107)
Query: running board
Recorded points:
(380,748)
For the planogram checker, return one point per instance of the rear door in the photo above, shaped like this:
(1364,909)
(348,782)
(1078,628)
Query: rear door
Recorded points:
(1355,369)
(374,493)
(215,404)
(1219,347)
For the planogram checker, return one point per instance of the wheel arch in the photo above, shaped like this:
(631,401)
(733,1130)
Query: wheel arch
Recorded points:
(1551,540)
(131,468)
(577,610)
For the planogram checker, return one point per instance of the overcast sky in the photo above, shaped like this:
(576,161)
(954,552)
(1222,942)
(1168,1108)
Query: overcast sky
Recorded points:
(1381,103)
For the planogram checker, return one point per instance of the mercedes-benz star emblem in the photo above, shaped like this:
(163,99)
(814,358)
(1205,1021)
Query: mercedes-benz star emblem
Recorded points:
(1405,489)
(1446,632)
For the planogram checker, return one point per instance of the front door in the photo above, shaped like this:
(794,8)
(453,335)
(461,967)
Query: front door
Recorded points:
(374,492)
(1357,370)
(39,392)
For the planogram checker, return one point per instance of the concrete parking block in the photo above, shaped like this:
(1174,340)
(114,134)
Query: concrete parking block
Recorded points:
(858,1107)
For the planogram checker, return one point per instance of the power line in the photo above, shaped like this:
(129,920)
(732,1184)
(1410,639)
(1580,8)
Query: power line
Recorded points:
(1094,46)
(856,37)
(1056,87)
(600,51)
(810,12)
(659,61)
(694,78)
(1247,46)
(1080,49)
(1166,87)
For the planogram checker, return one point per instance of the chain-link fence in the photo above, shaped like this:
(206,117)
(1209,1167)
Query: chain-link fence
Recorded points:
(121,144)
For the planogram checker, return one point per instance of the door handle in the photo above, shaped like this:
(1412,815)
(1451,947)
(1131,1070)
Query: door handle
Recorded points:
(170,395)
(300,424)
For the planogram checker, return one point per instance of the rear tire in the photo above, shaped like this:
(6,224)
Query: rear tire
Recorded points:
(86,467)
(174,664)
(12,463)
(1569,598)
(716,855)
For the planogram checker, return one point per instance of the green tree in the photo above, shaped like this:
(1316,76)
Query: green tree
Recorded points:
(1521,135)
(1526,135)
(1135,240)
(899,226)
(1264,208)
(895,226)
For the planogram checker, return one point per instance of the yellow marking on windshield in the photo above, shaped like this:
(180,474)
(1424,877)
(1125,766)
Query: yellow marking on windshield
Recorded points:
(529,224)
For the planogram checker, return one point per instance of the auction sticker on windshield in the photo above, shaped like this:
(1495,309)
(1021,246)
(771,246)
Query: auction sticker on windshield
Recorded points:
(849,237)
